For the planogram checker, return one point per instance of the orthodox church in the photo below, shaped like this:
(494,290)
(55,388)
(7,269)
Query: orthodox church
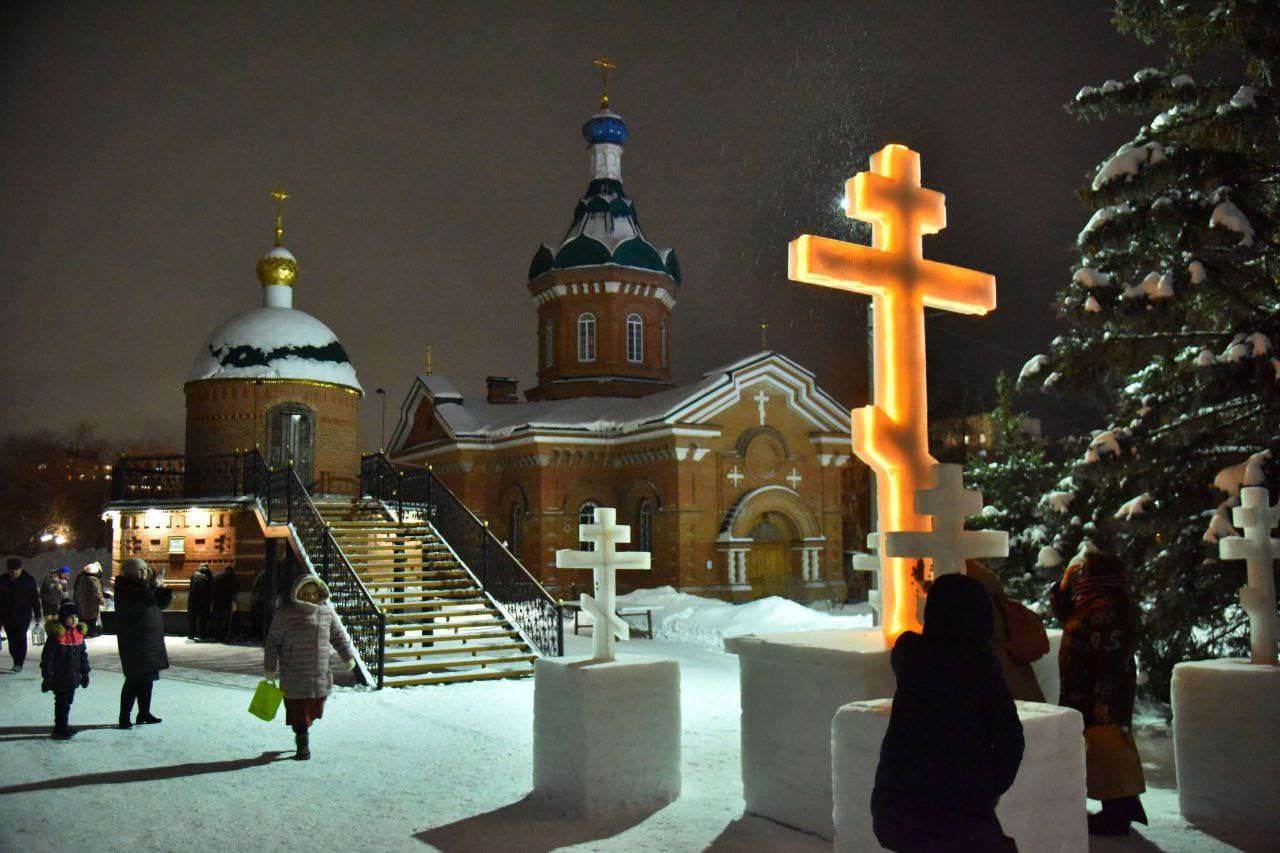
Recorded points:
(739,484)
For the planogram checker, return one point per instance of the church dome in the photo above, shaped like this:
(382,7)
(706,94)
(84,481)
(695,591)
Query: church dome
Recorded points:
(605,126)
(275,343)
(277,266)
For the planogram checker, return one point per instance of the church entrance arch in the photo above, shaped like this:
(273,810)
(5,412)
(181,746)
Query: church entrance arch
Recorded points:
(777,523)
(768,561)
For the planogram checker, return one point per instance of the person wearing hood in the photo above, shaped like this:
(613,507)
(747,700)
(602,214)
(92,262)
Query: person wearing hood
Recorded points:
(954,741)
(53,590)
(298,650)
(225,587)
(64,665)
(19,607)
(199,602)
(90,598)
(140,604)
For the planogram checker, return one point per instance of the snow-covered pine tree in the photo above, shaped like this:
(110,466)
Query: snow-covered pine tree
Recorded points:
(1174,316)
(1012,475)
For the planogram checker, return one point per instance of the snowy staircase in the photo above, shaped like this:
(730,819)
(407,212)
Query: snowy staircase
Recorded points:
(441,626)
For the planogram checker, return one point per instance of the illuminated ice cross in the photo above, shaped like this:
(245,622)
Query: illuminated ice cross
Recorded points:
(604,561)
(1257,518)
(892,435)
(947,545)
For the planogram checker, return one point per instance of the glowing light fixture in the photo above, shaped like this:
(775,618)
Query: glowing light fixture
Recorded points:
(891,435)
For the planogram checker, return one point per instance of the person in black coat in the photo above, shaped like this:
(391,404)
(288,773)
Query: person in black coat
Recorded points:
(225,588)
(64,665)
(954,741)
(19,607)
(140,602)
(199,602)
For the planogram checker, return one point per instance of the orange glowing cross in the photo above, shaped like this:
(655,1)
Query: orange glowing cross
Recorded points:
(892,435)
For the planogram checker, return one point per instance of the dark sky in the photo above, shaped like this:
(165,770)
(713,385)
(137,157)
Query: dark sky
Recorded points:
(431,147)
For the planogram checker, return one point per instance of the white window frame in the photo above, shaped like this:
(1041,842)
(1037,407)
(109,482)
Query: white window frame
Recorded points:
(635,339)
(587,515)
(586,337)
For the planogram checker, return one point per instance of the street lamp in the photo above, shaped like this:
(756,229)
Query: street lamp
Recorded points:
(382,435)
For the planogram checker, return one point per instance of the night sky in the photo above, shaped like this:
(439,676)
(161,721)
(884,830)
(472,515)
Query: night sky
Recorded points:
(430,148)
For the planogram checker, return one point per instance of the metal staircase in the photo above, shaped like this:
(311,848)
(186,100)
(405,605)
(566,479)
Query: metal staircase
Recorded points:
(441,627)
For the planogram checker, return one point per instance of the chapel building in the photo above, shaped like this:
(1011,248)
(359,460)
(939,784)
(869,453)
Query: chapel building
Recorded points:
(740,484)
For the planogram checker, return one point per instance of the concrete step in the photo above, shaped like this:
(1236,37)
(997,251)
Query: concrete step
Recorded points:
(457,677)
(451,636)
(419,667)
(456,649)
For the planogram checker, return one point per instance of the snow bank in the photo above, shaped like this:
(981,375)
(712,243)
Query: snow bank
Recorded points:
(707,621)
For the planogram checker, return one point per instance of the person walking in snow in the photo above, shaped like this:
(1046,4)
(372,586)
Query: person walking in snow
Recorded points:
(297,648)
(1099,679)
(89,597)
(53,590)
(954,742)
(225,588)
(64,665)
(19,607)
(140,602)
(199,602)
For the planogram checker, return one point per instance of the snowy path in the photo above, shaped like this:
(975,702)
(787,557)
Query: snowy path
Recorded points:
(444,767)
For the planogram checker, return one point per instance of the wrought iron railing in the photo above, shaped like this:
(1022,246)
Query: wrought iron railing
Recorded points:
(285,500)
(137,478)
(410,490)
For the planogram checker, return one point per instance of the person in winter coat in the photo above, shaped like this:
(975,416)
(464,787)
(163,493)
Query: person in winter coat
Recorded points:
(1098,676)
(64,665)
(1018,674)
(954,741)
(90,598)
(19,607)
(225,588)
(297,648)
(53,590)
(140,602)
(199,602)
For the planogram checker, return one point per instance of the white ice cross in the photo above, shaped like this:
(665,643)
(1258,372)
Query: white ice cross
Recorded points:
(947,544)
(761,398)
(1257,518)
(604,562)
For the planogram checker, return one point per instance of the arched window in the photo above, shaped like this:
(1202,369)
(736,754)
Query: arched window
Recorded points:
(644,525)
(549,344)
(587,337)
(587,515)
(514,521)
(635,338)
(662,336)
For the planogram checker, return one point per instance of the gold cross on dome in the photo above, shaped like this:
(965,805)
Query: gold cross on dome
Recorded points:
(279,195)
(605,64)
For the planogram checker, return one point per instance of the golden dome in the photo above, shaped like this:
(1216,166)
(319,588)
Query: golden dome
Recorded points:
(278,266)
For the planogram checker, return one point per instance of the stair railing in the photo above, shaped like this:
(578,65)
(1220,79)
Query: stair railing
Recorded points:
(410,489)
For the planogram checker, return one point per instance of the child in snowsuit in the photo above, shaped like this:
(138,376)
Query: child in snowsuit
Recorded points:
(297,647)
(64,665)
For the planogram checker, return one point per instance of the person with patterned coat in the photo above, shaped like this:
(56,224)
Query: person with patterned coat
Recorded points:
(298,649)
(1099,678)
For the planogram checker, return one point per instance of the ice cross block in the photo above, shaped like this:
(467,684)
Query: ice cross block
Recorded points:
(1044,811)
(606,734)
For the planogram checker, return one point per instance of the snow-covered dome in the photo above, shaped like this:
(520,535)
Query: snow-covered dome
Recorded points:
(275,343)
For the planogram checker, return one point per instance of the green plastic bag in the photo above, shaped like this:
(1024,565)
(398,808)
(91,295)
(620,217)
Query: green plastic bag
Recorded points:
(266,701)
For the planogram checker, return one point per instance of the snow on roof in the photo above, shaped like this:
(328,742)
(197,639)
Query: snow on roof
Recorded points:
(274,343)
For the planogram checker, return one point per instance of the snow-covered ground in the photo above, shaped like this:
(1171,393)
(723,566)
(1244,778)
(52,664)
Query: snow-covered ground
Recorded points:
(438,767)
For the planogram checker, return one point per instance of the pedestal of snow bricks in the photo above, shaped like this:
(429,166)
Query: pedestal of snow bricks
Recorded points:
(606,735)
(1044,811)
(792,685)
(1227,748)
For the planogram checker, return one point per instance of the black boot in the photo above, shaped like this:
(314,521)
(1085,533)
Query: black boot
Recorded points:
(301,741)
(145,716)
(1116,815)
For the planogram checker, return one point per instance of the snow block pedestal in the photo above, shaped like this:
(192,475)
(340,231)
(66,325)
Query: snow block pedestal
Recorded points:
(1226,746)
(1044,811)
(792,685)
(606,735)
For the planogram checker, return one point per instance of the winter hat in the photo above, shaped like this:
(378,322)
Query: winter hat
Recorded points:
(13,564)
(958,610)
(135,567)
(68,608)
(65,570)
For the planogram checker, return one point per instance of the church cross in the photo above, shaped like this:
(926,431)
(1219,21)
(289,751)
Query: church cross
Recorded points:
(761,398)
(947,545)
(604,561)
(891,435)
(1257,518)
(794,479)
(735,476)
(605,64)
(279,195)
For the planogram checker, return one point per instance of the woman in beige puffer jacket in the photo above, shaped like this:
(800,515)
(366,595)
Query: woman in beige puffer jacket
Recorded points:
(298,648)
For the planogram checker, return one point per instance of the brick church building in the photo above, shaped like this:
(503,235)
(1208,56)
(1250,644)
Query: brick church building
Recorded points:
(740,484)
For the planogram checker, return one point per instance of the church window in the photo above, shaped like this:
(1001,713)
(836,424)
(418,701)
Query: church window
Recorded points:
(635,338)
(513,537)
(644,526)
(587,515)
(548,344)
(587,337)
(662,340)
